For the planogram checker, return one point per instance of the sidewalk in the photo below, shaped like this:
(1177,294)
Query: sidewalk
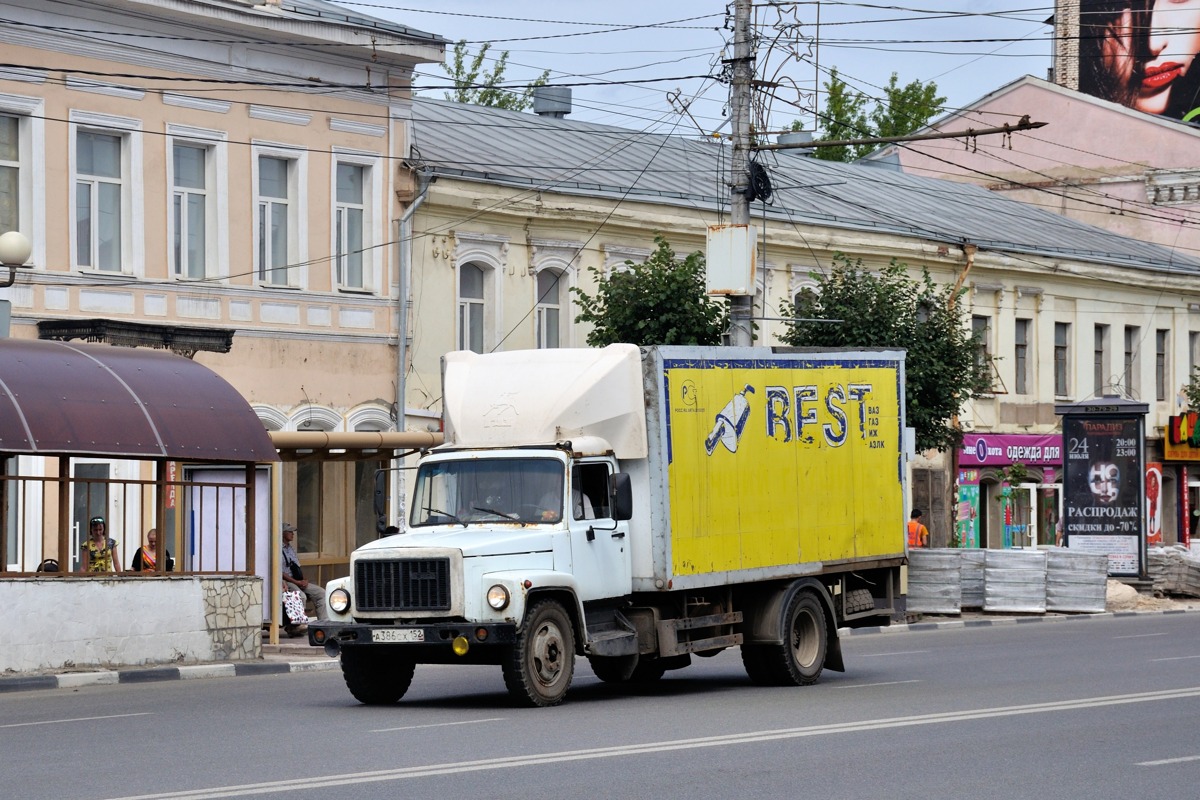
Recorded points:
(298,656)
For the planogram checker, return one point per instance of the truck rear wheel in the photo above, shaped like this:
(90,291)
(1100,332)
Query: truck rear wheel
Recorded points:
(376,677)
(541,662)
(799,660)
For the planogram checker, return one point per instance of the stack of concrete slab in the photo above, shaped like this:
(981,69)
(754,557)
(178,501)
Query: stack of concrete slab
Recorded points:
(1174,570)
(1075,581)
(1015,581)
(934,581)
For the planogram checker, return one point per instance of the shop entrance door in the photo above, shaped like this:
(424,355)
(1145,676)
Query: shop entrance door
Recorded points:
(1030,514)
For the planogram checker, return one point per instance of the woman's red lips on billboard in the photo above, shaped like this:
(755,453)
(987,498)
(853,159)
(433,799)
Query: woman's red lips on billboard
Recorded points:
(1159,75)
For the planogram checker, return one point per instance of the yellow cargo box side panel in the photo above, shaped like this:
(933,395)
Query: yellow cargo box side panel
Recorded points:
(782,463)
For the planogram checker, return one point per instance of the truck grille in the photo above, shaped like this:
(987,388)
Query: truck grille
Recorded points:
(418,584)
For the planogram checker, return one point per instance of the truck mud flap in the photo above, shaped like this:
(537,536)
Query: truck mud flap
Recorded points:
(679,636)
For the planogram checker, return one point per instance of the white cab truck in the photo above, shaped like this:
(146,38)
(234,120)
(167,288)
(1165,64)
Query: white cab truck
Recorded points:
(637,507)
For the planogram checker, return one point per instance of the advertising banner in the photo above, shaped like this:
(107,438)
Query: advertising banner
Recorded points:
(966,513)
(1002,449)
(1103,485)
(1154,533)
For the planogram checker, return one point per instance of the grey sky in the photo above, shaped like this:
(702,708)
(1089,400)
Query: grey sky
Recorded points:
(963,45)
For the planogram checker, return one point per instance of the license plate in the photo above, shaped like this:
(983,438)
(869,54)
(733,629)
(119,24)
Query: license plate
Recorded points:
(398,635)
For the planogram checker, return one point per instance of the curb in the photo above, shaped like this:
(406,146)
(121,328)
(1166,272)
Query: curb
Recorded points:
(75,680)
(987,622)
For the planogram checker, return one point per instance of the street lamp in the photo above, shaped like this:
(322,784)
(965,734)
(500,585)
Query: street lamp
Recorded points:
(14,252)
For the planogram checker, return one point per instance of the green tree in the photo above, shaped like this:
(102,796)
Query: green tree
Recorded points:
(892,309)
(660,301)
(473,85)
(902,110)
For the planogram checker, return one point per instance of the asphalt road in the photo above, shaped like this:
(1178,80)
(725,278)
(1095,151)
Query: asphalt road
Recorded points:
(1097,708)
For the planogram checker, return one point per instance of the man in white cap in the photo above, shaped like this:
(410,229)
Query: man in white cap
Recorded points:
(293,575)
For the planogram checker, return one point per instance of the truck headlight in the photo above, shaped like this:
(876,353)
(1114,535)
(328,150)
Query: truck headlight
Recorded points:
(497,597)
(339,600)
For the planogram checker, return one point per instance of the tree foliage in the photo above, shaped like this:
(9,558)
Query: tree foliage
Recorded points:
(892,309)
(474,85)
(660,301)
(849,115)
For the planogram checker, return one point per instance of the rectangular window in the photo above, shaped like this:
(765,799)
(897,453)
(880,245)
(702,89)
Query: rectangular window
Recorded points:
(1021,357)
(1129,368)
(350,220)
(1161,341)
(1062,338)
(190,210)
(1129,365)
(10,174)
(981,328)
(1100,360)
(98,200)
(1193,352)
(273,211)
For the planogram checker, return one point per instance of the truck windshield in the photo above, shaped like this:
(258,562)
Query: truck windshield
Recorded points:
(523,490)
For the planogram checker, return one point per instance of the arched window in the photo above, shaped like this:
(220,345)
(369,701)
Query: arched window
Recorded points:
(470,308)
(551,289)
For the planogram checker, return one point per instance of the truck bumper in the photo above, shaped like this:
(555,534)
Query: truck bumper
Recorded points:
(428,643)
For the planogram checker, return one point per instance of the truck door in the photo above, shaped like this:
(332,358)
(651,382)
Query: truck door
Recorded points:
(600,552)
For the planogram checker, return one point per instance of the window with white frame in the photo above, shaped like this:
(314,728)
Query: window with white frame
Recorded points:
(350,225)
(1100,359)
(99,189)
(981,329)
(10,173)
(273,219)
(1193,352)
(1161,342)
(190,210)
(550,288)
(1062,359)
(1129,371)
(1021,357)
(470,307)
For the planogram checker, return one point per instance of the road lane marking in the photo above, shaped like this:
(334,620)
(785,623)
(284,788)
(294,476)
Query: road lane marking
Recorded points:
(1164,761)
(726,740)
(74,719)
(891,653)
(1141,635)
(438,725)
(885,683)
(1174,658)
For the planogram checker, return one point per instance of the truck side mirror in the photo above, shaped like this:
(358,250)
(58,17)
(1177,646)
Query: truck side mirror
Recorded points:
(381,491)
(621,490)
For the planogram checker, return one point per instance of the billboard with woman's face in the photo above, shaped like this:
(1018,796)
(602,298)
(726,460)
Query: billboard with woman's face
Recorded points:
(1142,54)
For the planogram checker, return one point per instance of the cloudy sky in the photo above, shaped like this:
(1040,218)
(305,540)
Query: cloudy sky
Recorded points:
(639,64)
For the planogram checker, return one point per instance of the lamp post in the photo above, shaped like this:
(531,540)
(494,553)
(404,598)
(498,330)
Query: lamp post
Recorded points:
(14,252)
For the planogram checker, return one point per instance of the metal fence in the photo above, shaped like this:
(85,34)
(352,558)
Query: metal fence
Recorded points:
(201,523)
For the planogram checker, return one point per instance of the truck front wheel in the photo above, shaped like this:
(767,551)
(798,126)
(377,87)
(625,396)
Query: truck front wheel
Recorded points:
(799,660)
(541,662)
(376,677)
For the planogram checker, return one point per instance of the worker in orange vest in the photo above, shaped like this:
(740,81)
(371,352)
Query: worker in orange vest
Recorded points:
(918,534)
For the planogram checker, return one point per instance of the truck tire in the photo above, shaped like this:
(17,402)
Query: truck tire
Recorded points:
(859,600)
(799,660)
(541,662)
(615,669)
(376,677)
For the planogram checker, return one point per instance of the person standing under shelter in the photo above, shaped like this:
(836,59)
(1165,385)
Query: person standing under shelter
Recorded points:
(99,552)
(918,534)
(146,557)
(293,575)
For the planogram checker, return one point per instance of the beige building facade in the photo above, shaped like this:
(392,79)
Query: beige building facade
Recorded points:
(223,167)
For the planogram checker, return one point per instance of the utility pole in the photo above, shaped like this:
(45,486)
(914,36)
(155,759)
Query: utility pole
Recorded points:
(739,184)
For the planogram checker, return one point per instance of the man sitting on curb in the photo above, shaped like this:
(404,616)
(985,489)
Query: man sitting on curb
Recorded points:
(293,575)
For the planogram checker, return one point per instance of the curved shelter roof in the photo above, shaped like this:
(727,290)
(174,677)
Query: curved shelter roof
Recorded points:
(66,398)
